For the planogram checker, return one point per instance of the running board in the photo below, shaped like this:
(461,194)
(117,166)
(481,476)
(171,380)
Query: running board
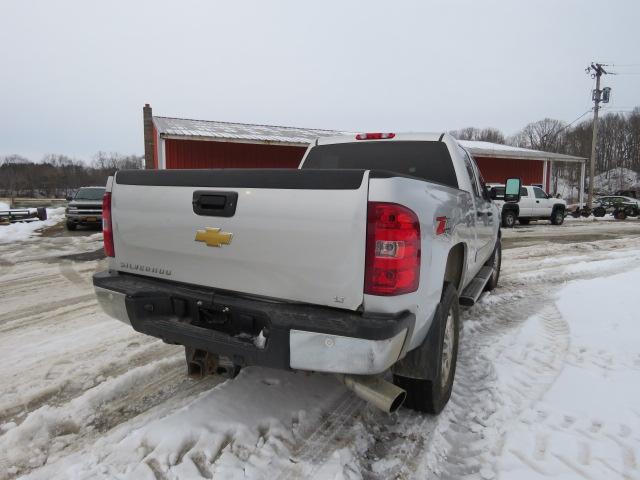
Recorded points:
(470,295)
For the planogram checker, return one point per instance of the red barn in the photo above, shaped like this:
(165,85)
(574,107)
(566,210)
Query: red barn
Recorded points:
(184,143)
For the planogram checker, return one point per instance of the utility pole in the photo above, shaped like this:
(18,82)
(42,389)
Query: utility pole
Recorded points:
(596,71)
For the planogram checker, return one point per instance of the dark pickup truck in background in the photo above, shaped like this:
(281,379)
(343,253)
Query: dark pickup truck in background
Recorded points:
(85,208)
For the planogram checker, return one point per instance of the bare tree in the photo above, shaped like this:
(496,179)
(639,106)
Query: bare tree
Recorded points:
(489,134)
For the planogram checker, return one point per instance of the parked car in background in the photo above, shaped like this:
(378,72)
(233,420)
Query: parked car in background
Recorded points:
(534,204)
(85,208)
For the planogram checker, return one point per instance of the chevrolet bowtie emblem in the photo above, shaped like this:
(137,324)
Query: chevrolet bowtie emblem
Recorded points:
(213,237)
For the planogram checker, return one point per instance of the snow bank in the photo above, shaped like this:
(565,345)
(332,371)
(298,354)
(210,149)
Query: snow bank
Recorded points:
(587,424)
(21,231)
(607,182)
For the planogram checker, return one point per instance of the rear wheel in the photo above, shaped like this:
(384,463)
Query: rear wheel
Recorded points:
(71,226)
(524,221)
(557,217)
(432,395)
(599,212)
(619,215)
(42,213)
(509,219)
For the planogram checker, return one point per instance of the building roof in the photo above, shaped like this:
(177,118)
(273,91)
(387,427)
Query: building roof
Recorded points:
(182,127)
(497,150)
(185,128)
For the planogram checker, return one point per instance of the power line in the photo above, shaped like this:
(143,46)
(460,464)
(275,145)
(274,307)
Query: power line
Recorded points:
(567,126)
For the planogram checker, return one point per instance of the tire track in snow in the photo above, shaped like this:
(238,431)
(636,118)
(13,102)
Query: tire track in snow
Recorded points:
(60,431)
(318,441)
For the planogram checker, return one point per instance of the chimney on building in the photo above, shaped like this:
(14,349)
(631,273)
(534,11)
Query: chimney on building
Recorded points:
(147,120)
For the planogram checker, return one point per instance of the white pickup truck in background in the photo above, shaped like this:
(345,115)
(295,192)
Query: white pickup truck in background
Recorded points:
(354,264)
(534,204)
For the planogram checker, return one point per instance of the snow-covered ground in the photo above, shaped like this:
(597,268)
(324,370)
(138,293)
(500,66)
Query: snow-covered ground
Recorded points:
(547,386)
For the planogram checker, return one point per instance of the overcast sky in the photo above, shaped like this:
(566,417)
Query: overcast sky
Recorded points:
(75,74)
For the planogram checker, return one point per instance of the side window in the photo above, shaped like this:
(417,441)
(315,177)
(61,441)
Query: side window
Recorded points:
(484,192)
(524,192)
(539,193)
(475,186)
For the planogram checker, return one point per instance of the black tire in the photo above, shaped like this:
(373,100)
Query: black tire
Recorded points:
(619,215)
(630,211)
(599,212)
(71,226)
(524,221)
(496,262)
(557,216)
(509,219)
(42,213)
(432,395)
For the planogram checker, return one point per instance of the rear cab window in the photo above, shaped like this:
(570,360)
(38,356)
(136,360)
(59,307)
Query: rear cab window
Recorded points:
(499,192)
(425,160)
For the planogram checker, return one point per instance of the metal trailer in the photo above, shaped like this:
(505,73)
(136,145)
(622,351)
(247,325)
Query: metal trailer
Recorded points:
(22,215)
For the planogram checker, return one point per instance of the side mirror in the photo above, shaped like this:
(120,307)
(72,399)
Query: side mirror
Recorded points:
(512,190)
(493,194)
(69,198)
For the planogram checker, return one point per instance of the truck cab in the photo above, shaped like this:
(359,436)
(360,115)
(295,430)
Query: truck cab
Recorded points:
(534,204)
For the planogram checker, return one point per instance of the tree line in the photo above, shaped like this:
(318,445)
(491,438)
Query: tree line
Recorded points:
(57,176)
(618,145)
(618,148)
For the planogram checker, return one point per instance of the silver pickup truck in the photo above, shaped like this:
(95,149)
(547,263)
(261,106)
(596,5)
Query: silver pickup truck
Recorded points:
(355,263)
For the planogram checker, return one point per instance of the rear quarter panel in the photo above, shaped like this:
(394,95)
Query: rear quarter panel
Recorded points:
(429,201)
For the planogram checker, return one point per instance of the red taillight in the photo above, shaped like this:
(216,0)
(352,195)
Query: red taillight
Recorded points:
(392,262)
(374,136)
(107,230)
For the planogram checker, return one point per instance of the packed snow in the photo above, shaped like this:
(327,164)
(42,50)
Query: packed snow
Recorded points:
(547,384)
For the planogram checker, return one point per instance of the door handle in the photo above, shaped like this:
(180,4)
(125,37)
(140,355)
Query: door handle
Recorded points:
(214,204)
(537,201)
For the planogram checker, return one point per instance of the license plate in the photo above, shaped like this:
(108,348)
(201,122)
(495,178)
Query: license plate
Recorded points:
(92,219)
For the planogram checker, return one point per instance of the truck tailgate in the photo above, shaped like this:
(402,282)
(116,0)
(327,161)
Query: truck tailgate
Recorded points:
(296,235)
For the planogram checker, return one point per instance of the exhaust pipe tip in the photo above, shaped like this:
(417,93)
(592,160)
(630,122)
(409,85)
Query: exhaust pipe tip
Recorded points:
(375,390)
(398,401)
